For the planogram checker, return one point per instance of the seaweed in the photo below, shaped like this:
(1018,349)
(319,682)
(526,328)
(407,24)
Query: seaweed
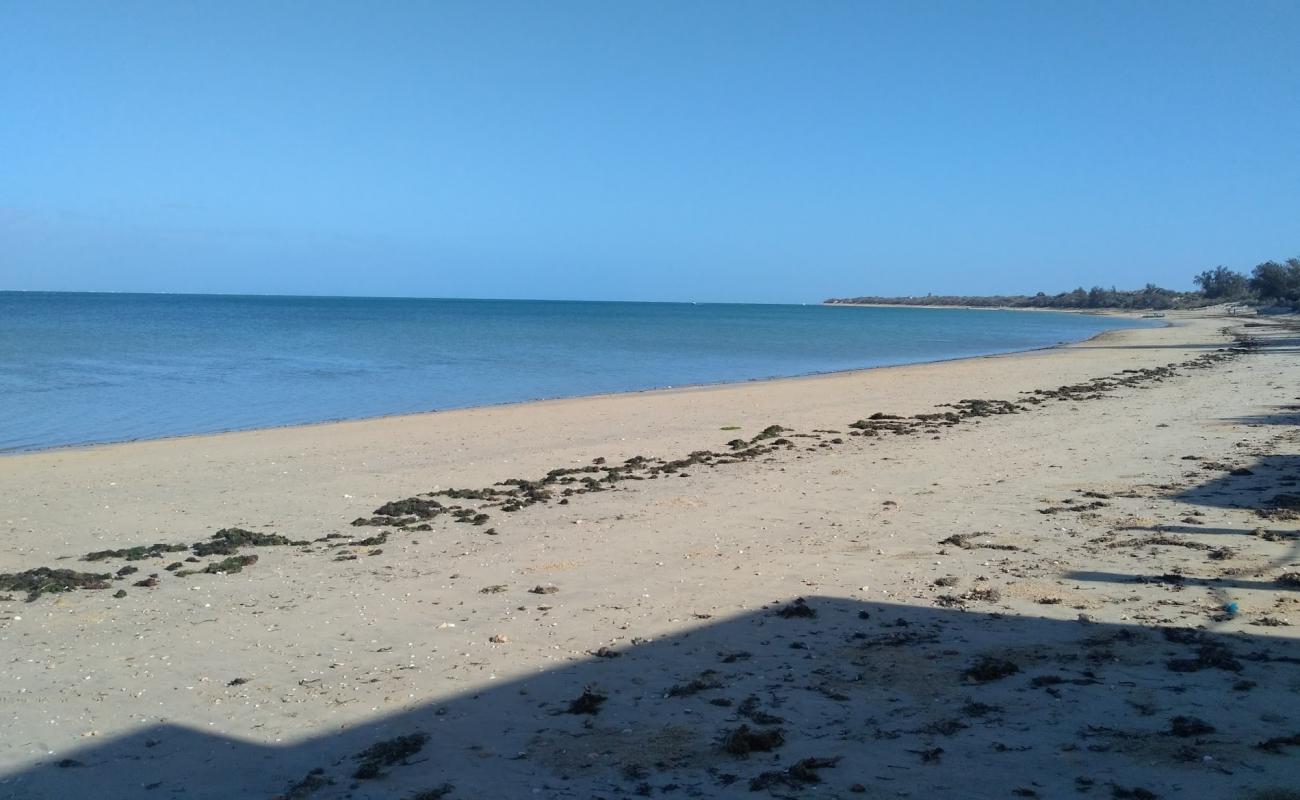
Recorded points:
(138,553)
(227,566)
(1276,744)
(589,702)
(1184,727)
(801,773)
(988,669)
(745,740)
(311,783)
(799,609)
(227,541)
(708,679)
(964,541)
(411,507)
(44,580)
(749,709)
(770,432)
(388,753)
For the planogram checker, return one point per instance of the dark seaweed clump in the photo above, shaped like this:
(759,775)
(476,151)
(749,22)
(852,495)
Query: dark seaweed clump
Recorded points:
(988,669)
(1189,726)
(225,566)
(799,609)
(388,753)
(44,580)
(708,679)
(136,553)
(227,541)
(311,783)
(588,702)
(1276,744)
(802,773)
(745,740)
(1210,653)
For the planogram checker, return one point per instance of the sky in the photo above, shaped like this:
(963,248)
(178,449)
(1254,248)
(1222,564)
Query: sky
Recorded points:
(749,151)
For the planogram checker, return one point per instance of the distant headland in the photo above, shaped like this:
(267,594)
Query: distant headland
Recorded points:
(1271,284)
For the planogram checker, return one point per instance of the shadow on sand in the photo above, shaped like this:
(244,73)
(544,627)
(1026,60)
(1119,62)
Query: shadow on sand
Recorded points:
(832,698)
(1266,487)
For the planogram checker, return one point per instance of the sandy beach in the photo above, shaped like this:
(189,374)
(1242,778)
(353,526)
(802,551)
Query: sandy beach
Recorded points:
(1064,573)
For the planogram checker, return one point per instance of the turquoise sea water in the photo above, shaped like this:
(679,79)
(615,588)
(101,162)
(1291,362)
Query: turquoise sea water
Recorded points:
(85,368)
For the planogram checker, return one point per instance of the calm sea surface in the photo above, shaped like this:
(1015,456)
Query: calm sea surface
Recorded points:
(83,368)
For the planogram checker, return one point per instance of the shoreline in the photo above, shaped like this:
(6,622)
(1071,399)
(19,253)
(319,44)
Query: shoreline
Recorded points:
(1031,550)
(577,428)
(19,452)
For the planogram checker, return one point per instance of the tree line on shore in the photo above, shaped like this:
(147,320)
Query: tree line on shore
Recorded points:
(1272,283)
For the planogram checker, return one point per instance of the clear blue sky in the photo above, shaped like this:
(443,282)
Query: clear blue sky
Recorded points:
(747,151)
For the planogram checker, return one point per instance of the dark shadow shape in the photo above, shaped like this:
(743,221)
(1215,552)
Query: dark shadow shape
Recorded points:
(916,700)
(1179,580)
(1206,529)
(1282,415)
(1272,476)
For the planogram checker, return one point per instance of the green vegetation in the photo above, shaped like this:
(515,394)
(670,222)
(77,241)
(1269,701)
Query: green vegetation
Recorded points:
(44,580)
(1269,284)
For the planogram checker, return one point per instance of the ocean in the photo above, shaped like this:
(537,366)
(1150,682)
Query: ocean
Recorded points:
(89,368)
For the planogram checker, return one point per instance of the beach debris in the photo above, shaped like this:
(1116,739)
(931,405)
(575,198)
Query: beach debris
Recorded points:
(989,668)
(1185,727)
(44,580)
(1275,744)
(966,541)
(944,727)
(799,609)
(589,702)
(1210,654)
(311,783)
(801,773)
(973,708)
(226,566)
(745,740)
(547,589)
(749,709)
(136,553)
(388,753)
(1270,622)
(227,541)
(1071,506)
(708,679)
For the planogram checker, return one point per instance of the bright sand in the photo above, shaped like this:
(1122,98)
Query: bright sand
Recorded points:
(682,576)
